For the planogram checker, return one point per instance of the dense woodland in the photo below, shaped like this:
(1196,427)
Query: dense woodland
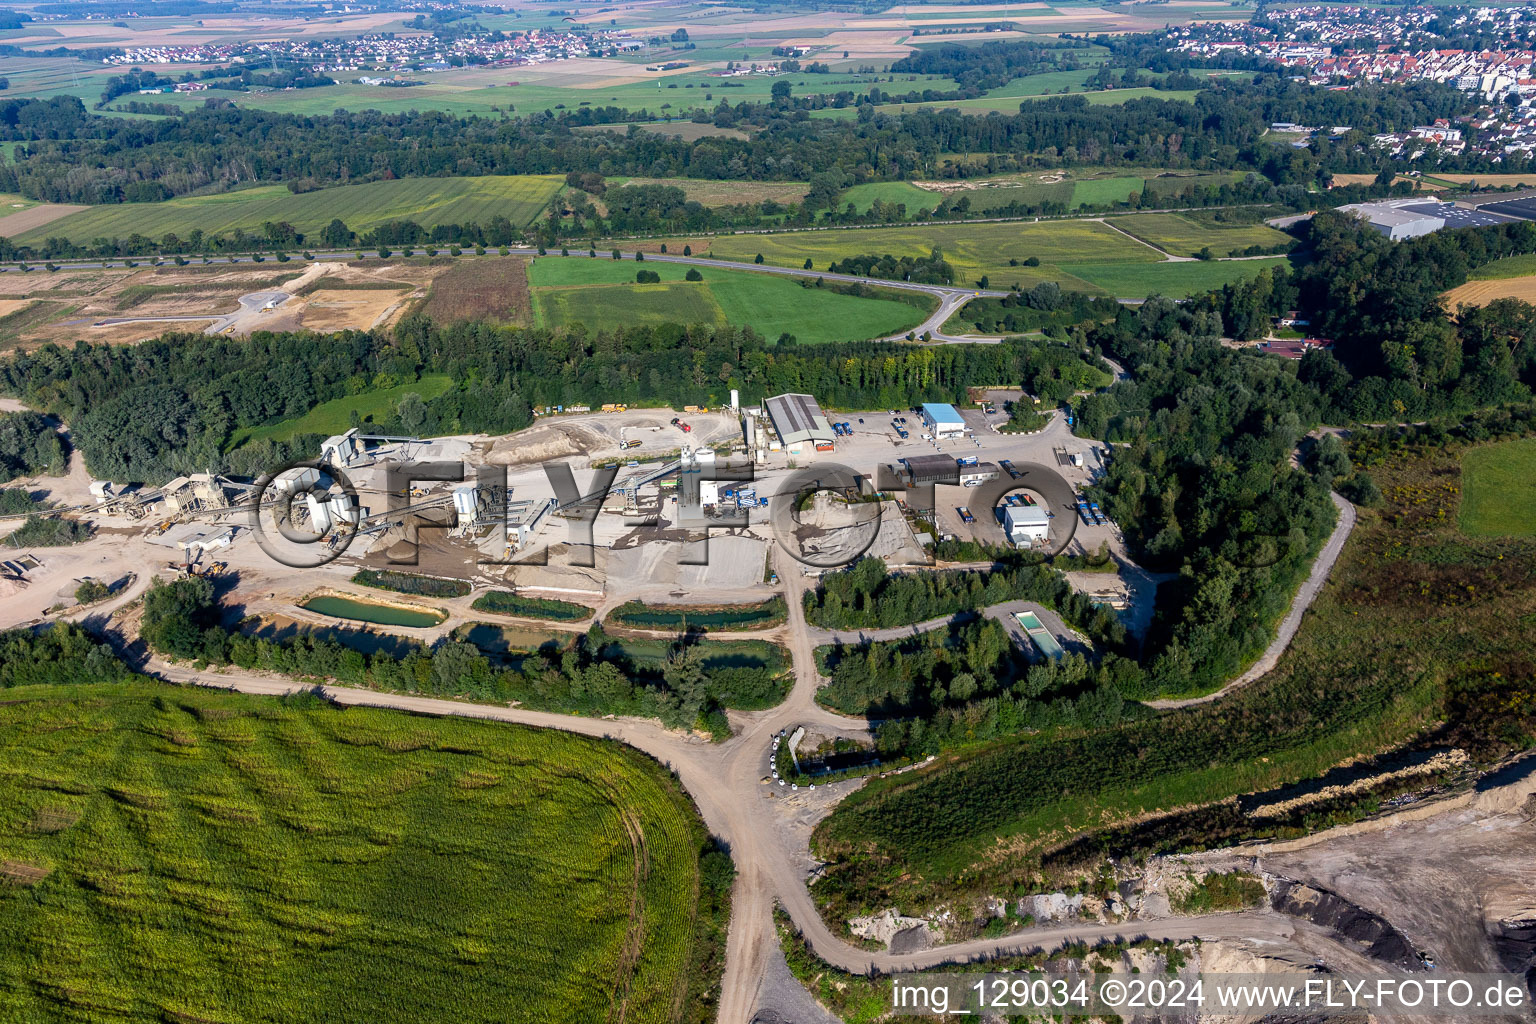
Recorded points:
(147,412)
(29,446)
(64,154)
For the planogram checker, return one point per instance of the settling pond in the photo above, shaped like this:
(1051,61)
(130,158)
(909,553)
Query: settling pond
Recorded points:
(367,611)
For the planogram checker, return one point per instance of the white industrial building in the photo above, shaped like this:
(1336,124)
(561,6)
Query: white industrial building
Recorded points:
(943,420)
(800,423)
(1026,525)
(1396,224)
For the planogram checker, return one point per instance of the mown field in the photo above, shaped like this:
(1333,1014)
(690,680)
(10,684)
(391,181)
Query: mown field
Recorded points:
(1069,188)
(186,855)
(1420,642)
(1137,280)
(427,201)
(1499,490)
(715,192)
(602,294)
(1081,255)
(1181,236)
(333,417)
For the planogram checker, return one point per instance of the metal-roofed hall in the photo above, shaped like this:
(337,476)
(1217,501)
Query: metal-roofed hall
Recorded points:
(800,423)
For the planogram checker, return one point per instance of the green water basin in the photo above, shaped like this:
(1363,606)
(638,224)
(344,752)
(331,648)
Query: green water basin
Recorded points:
(367,611)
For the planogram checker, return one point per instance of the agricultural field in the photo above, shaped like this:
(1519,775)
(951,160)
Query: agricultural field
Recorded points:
(333,417)
(18,214)
(481,288)
(1138,280)
(1069,188)
(194,855)
(1508,267)
(427,201)
(712,192)
(554,87)
(1480,292)
(603,295)
(889,192)
(1081,255)
(1499,490)
(1182,236)
(973,249)
(1353,682)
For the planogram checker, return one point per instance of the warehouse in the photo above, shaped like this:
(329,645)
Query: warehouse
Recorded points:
(923,470)
(943,420)
(800,423)
(1027,525)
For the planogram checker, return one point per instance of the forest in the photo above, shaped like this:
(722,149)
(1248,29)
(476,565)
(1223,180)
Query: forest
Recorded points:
(64,154)
(29,446)
(147,412)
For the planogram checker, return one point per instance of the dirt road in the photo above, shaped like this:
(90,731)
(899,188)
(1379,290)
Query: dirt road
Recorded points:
(1305,595)
(729,783)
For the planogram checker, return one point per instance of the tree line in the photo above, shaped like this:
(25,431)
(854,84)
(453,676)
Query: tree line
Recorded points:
(148,412)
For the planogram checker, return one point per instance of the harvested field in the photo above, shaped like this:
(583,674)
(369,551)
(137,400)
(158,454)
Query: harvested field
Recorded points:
(709,192)
(1366,179)
(475,289)
(1489,180)
(34,217)
(1480,293)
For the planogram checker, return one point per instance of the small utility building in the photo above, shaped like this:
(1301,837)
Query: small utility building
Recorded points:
(800,423)
(943,420)
(1027,525)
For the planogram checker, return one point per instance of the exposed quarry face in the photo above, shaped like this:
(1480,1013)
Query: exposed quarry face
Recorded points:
(1511,925)
(1371,934)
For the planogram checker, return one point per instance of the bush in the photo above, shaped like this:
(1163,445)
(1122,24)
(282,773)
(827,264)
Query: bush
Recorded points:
(411,583)
(647,277)
(504,602)
(38,532)
(693,275)
(92,591)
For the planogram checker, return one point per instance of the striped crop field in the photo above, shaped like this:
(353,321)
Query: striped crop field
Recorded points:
(172,854)
(427,201)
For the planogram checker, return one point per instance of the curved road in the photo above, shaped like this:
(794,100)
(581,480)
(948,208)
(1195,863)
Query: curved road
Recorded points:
(727,782)
(1305,595)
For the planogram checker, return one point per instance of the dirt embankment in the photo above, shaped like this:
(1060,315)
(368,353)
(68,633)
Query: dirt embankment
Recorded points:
(1373,934)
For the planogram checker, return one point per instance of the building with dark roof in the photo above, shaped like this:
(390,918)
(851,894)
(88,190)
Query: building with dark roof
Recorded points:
(800,423)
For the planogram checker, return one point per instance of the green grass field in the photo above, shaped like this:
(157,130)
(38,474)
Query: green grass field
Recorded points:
(1509,266)
(862,196)
(602,294)
(487,92)
(1183,237)
(1105,191)
(427,201)
(334,416)
(1082,255)
(714,192)
(187,855)
(1499,490)
(1138,280)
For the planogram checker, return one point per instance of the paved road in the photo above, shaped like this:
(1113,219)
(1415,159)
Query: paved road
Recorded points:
(248,304)
(1305,595)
